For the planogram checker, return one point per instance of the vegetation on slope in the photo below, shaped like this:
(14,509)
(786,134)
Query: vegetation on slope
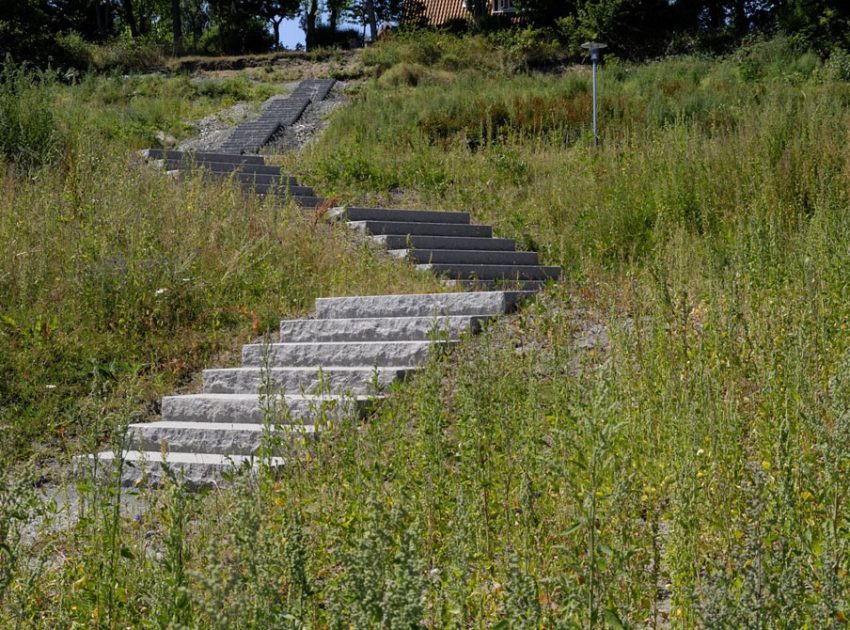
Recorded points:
(118,282)
(693,471)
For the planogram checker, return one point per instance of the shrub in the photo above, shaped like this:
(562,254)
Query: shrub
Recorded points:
(28,133)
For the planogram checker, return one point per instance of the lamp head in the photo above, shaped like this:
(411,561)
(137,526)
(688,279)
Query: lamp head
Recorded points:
(595,49)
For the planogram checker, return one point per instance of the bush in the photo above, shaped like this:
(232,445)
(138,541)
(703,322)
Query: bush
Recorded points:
(348,38)
(28,133)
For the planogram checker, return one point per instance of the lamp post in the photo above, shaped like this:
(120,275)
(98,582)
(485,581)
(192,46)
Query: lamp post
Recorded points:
(595,49)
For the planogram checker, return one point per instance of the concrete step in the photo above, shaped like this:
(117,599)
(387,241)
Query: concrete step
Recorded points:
(467,256)
(364,381)
(495,285)
(394,214)
(251,408)
(277,189)
(392,241)
(378,328)
(341,353)
(209,437)
(494,272)
(483,303)
(196,470)
(204,156)
(426,229)
(226,168)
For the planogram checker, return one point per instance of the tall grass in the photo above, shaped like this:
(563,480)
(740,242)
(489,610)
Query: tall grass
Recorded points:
(688,467)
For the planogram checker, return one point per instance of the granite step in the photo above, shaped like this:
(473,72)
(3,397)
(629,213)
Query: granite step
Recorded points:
(195,470)
(467,256)
(252,408)
(204,156)
(208,437)
(392,241)
(395,214)
(404,228)
(225,168)
(479,303)
(378,328)
(364,381)
(493,272)
(341,353)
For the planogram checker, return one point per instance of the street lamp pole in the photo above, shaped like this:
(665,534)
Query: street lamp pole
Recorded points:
(595,49)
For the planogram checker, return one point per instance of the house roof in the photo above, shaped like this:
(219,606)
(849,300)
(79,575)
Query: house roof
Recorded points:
(434,12)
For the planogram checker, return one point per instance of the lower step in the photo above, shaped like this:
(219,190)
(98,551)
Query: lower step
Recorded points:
(340,380)
(251,409)
(211,437)
(194,470)
(494,272)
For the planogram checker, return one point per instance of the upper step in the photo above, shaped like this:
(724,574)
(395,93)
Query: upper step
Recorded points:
(340,353)
(427,229)
(378,328)
(251,408)
(467,256)
(393,241)
(393,214)
(203,156)
(481,303)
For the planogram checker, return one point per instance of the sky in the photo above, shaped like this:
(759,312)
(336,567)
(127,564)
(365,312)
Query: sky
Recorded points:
(291,33)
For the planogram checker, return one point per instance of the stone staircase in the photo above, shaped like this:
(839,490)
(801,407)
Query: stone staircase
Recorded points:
(445,243)
(334,365)
(277,113)
(323,369)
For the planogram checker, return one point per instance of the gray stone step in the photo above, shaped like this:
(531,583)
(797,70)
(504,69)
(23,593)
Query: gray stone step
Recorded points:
(265,188)
(425,229)
(394,214)
(378,328)
(341,353)
(493,272)
(250,408)
(209,437)
(467,256)
(229,167)
(495,285)
(391,241)
(204,156)
(197,470)
(310,380)
(483,303)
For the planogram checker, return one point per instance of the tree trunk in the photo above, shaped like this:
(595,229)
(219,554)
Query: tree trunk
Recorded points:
(333,18)
(740,17)
(276,27)
(177,26)
(311,23)
(130,17)
(373,20)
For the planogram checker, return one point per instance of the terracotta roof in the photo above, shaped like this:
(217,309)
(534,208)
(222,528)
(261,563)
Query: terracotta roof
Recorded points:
(434,12)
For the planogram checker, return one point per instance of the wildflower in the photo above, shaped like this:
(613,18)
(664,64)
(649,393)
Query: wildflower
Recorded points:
(160,291)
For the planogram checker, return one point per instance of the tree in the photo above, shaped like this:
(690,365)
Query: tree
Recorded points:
(275,11)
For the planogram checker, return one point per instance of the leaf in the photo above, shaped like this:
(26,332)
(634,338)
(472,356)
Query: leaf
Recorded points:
(612,620)
(126,553)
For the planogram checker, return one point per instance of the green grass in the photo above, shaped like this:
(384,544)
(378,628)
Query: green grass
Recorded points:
(693,473)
